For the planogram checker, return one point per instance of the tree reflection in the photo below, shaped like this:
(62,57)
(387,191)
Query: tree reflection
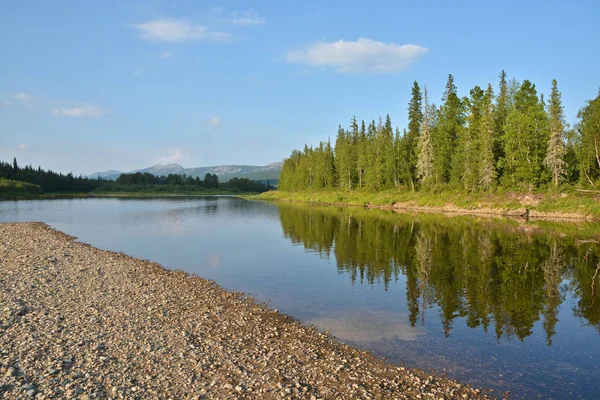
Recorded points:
(487,272)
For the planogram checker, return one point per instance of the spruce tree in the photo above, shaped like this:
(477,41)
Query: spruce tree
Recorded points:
(362,161)
(387,152)
(470,143)
(487,169)
(555,157)
(500,113)
(415,118)
(425,145)
(450,121)
(342,159)
(589,147)
(525,139)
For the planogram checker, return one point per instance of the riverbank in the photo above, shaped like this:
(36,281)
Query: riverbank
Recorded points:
(51,196)
(81,322)
(572,205)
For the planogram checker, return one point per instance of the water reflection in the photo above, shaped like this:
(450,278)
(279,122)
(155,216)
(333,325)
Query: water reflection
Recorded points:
(502,276)
(363,326)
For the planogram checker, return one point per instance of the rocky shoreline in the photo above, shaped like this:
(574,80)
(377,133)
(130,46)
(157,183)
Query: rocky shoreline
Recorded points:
(79,322)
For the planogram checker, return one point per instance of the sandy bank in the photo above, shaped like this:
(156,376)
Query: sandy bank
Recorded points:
(76,321)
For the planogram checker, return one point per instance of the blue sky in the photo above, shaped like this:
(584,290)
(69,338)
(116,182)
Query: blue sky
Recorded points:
(89,86)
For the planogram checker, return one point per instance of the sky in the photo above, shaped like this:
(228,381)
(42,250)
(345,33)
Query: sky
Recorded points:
(91,86)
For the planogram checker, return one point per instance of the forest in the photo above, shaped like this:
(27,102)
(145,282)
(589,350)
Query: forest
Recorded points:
(47,181)
(145,182)
(17,180)
(514,139)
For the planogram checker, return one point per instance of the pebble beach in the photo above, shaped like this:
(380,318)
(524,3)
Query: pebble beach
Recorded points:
(77,322)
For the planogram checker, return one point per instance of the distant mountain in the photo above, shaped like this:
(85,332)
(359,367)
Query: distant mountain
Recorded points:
(106,174)
(162,170)
(224,172)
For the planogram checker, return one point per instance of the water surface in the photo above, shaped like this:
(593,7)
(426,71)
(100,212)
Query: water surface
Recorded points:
(499,304)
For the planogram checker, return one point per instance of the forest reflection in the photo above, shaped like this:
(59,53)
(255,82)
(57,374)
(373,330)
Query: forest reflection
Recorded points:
(499,274)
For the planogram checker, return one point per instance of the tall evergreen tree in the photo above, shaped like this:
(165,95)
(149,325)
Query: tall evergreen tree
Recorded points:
(525,139)
(487,168)
(415,118)
(342,159)
(470,142)
(425,145)
(450,122)
(500,113)
(387,152)
(371,152)
(589,147)
(362,159)
(555,157)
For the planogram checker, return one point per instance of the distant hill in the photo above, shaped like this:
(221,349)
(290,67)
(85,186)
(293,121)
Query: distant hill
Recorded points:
(224,172)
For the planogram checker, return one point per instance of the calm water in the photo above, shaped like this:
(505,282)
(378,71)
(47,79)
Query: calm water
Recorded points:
(497,304)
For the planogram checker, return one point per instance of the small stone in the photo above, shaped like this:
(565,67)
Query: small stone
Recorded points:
(31,392)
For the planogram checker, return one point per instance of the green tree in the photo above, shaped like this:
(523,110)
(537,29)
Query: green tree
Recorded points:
(470,141)
(415,118)
(487,168)
(387,153)
(450,122)
(525,139)
(500,113)
(425,145)
(589,147)
(555,156)
(362,160)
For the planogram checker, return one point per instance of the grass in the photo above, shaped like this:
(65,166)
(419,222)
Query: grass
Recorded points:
(566,202)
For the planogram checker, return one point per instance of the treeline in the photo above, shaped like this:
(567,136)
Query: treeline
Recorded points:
(49,181)
(146,182)
(514,139)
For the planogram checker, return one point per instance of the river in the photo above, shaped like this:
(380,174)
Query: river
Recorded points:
(504,305)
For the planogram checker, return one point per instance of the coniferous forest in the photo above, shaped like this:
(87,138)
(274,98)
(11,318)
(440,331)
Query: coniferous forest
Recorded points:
(512,138)
(27,180)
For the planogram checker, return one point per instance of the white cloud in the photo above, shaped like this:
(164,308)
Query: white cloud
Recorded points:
(7,103)
(22,96)
(22,147)
(175,156)
(362,55)
(175,30)
(83,111)
(214,121)
(246,18)
(165,54)
(138,71)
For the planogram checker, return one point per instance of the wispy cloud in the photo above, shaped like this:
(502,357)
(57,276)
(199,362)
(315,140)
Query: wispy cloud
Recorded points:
(214,121)
(175,156)
(138,71)
(22,147)
(7,103)
(176,30)
(362,55)
(87,110)
(165,54)
(246,18)
(22,96)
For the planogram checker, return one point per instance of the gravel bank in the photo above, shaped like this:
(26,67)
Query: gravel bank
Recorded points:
(79,322)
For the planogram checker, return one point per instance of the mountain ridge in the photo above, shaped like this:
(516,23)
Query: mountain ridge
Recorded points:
(224,172)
